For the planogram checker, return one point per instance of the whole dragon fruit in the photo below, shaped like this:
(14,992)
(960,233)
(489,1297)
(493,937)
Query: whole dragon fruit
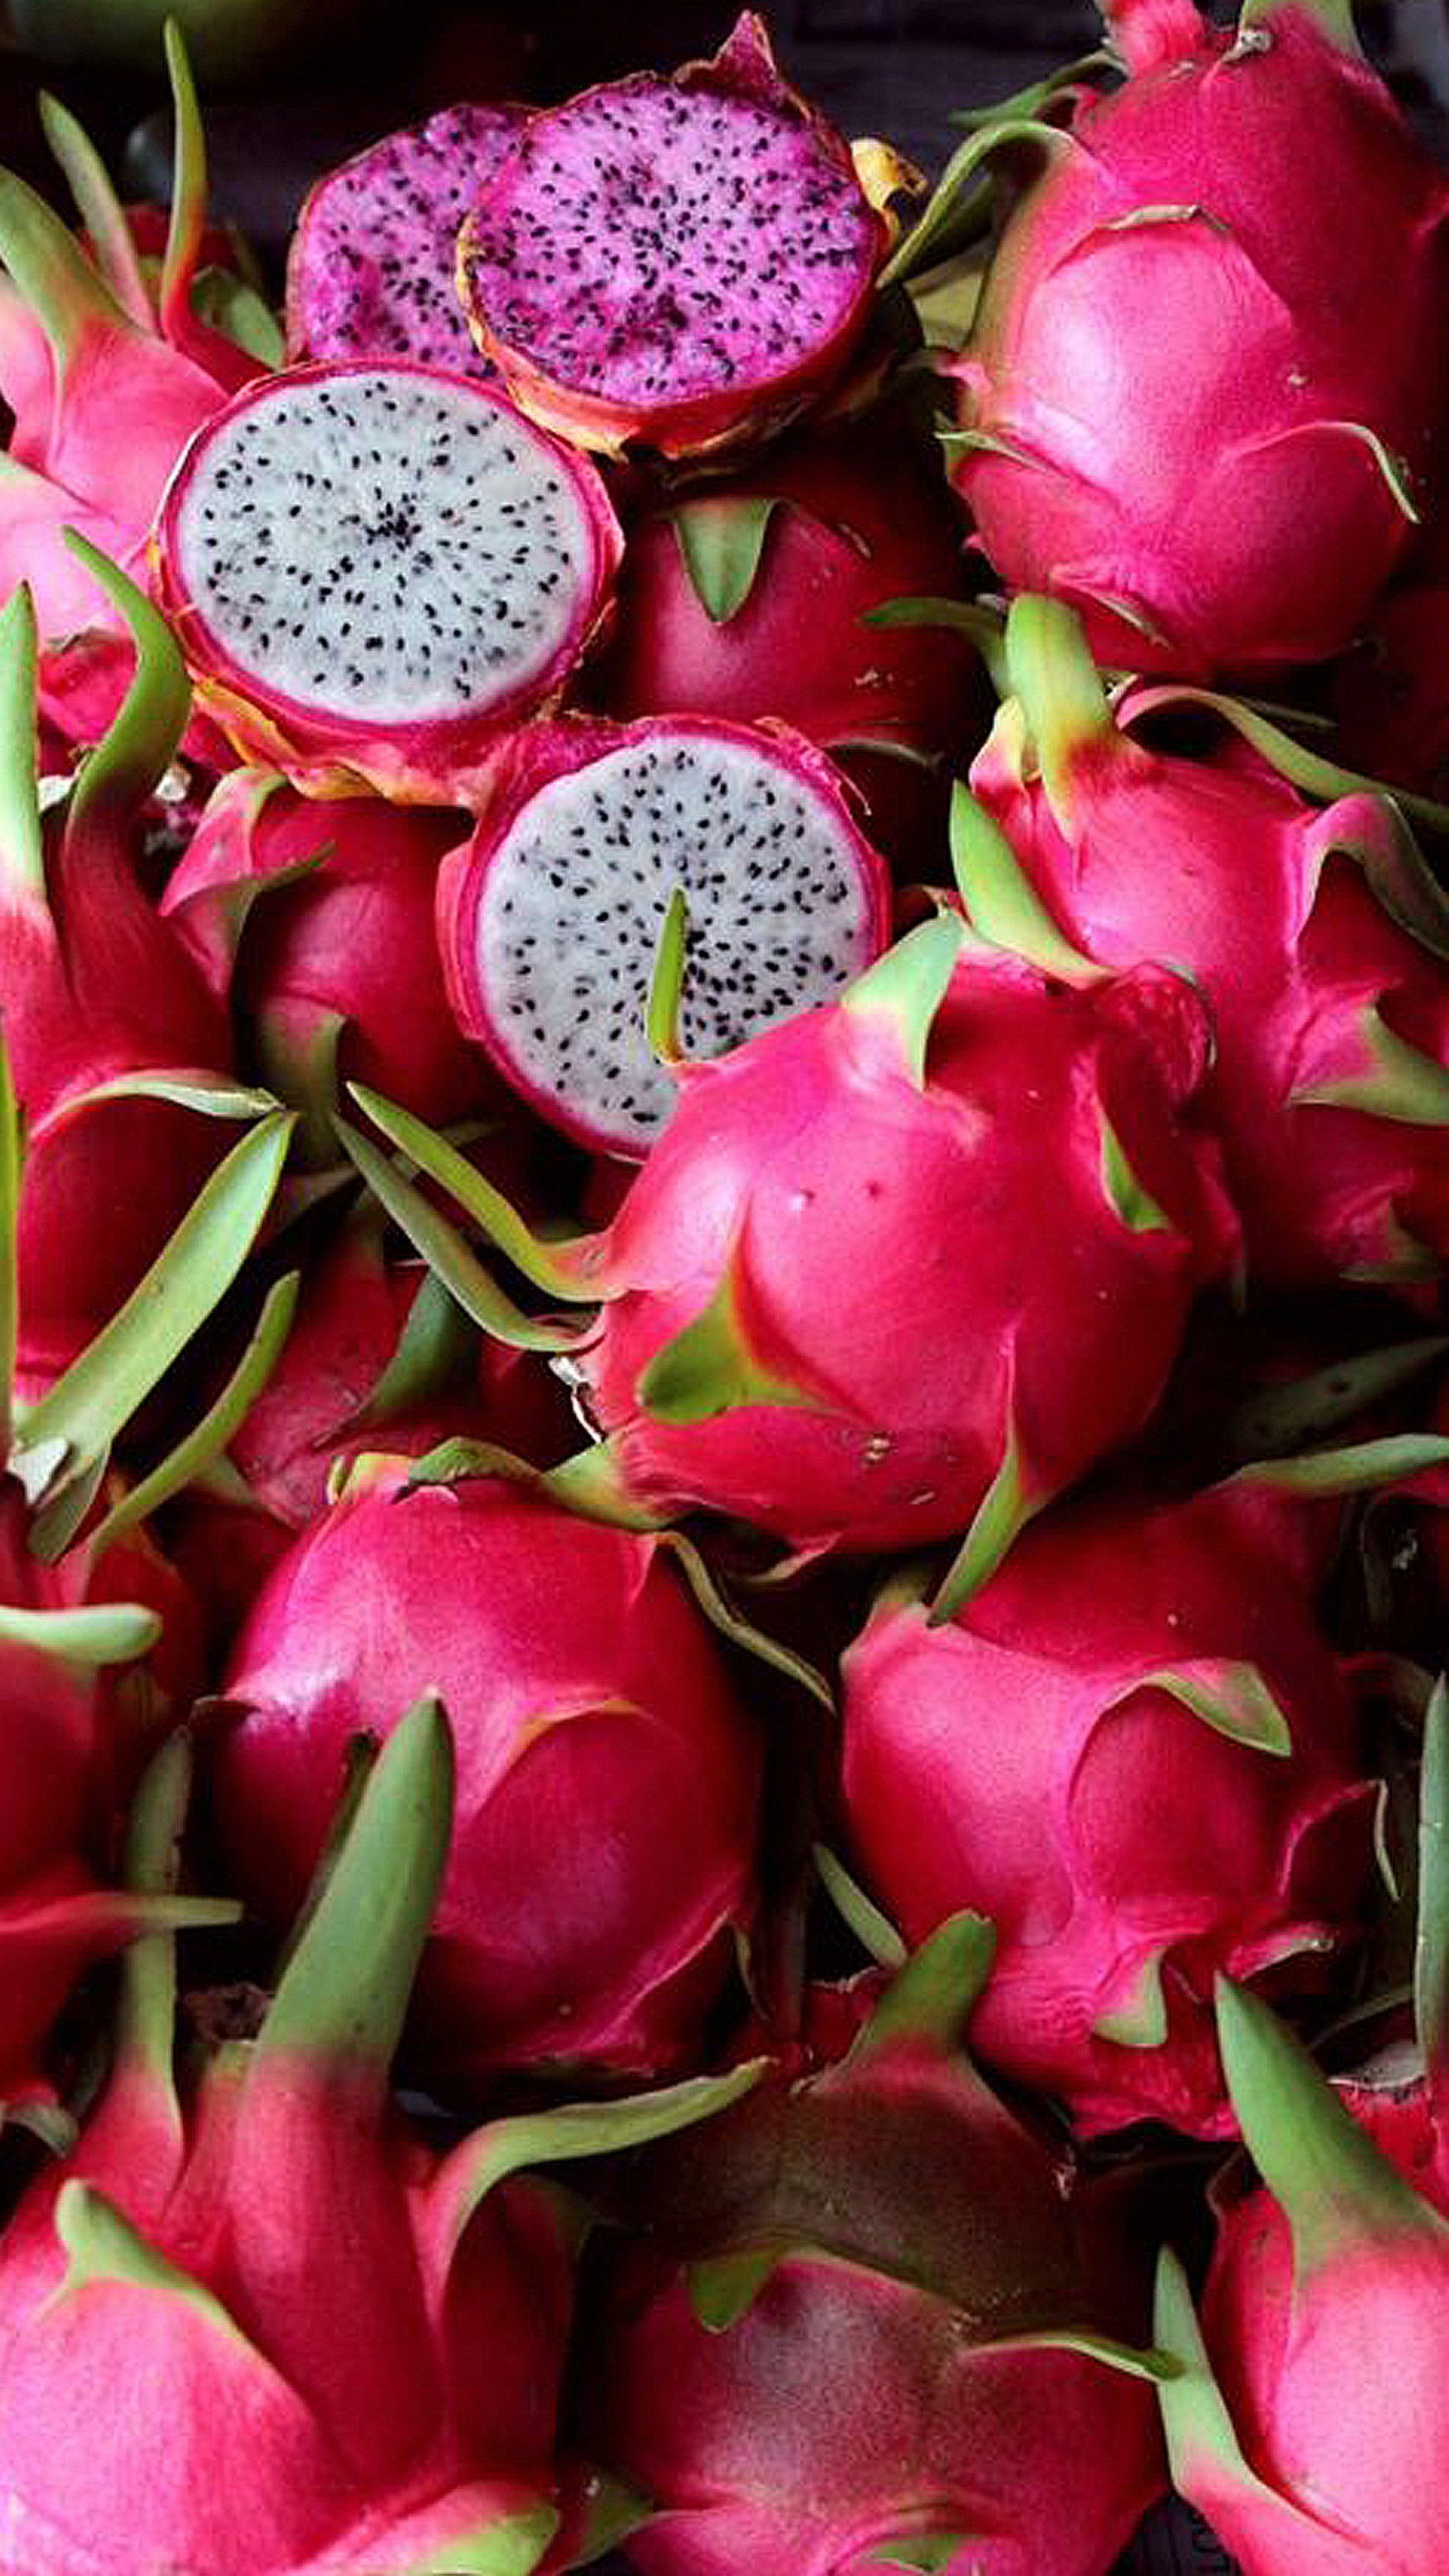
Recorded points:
(280,2252)
(550,916)
(877,2320)
(317,922)
(1136,1750)
(827,1306)
(1316,935)
(371,272)
(745,597)
(106,374)
(117,1047)
(607,1773)
(1183,408)
(377,570)
(685,263)
(1307,2463)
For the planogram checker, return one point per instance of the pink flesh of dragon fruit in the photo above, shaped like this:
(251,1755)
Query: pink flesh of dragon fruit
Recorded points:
(371,269)
(744,597)
(1330,1089)
(683,262)
(1187,412)
(1135,1750)
(830,1306)
(550,917)
(97,992)
(1307,2462)
(281,2252)
(607,1774)
(833,2348)
(376,570)
(336,975)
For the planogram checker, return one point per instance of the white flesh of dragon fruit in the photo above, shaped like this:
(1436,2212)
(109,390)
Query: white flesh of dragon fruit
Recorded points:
(785,902)
(383,543)
(371,272)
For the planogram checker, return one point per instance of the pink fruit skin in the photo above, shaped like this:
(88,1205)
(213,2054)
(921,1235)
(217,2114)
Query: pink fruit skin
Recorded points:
(863,1220)
(1358,2454)
(442,761)
(495,280)
(1221,867)
(352,940)
(374,2432)
(848,2408)
(1020,1760)
(546,752)
(861,521)
(607,1776)
(1162,340)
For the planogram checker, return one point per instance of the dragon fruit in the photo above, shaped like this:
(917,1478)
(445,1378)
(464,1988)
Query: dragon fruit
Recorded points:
(371,269)
(1135,1749)
(1389,694)
(64,1633)
(376,570)
(1182,408)
(336,972)
(607,1773)
(281,2252)
(1331,1086)
(686,263)
(821,1304)
(877,2320)
(550,916)
(116,1044)
(744,597)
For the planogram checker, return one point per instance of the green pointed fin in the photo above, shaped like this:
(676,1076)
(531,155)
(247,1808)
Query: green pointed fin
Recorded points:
(721,538)
(708,1369)
(611,2513)
(1037,94)
(981,627)
(77,1419)
(666,983)
(1334,2187)
(1370,830)
(1325,780)
(146,2012)
(920,2553)
(1133,2361)
(236,308)
(1061,694)
(99,208)
(1360,1467)
(145,735)
(100,1634)
(299,1051)
(1401,1081)
(957,205)
(11,1157)
(1121,1188)
(1203,2449)
(345,1989)
(1001,1516)
(874,1931)
(724,2287)
(907,986)
(67,296)
(1140,2020)
(103,2246)
(595,1484)
(1431,1954)
(558,1270)
(196,1087)
(435,1342)
(188,191)
(1232,1698)
(210,1437)
(1281,1418)
(575,2129)
(60,1522)
(449,1257)
(933,1996)
(1000,899)
(514,2545)
(731,1624)
(22,850)
(1335,17)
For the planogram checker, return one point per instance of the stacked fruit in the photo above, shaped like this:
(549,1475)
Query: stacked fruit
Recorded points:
(722,1214)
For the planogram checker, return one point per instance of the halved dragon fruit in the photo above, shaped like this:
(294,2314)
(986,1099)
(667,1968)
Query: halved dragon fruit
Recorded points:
(550,915)
(376,569)
(370,273)
(685,261)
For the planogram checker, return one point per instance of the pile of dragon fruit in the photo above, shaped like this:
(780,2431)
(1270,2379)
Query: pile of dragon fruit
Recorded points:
(724,1180)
